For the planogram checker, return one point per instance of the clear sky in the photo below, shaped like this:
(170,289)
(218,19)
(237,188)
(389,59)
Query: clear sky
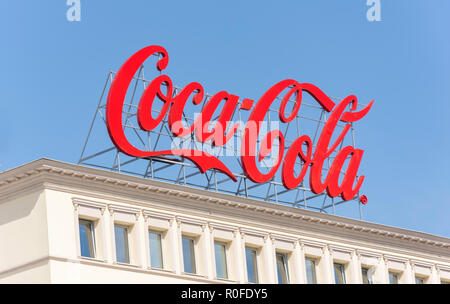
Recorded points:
(52,72)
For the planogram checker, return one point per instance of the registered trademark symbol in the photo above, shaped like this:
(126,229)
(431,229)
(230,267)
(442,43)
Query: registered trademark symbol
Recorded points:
(363,199)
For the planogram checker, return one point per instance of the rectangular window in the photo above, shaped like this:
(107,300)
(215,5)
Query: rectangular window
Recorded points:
(252,265)
(366,275)
(420,280)
(339,273)
(311,276)
(156,256)
(393,278)
(122,247)
(282,268)
(188,255)
(221,260)
(87,238)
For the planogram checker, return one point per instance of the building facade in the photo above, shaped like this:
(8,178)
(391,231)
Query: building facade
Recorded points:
(64,223)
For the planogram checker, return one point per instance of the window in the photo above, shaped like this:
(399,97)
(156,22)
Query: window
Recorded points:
(87,238)
(221,260)
(252,265)
(311,276)
(188,254)
(156,256)
(122,248)
(393,278)
(339,273)
(420,280)
(282,268)
(366,275)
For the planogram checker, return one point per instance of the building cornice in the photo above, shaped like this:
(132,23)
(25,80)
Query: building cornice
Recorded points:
(46,172)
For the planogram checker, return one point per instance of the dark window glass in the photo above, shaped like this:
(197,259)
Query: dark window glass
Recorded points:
(87,239)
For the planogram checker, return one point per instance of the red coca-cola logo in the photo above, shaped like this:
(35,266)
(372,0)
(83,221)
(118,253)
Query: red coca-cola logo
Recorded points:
(174,105)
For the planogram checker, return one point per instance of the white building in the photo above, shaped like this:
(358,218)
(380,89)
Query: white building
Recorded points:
(63,223)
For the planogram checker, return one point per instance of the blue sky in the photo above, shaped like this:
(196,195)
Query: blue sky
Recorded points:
(52,72)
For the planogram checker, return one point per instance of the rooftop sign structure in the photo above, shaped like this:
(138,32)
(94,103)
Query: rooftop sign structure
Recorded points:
(294,145)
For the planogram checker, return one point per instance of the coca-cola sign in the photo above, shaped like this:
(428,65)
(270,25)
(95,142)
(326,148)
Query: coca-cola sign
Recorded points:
(219,132)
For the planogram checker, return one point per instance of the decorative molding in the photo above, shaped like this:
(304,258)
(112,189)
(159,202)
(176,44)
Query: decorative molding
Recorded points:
(395,259)
(163,216)
(369,254)
(112,208)
(192,221)
(308,243)
(241,233)
(87,203)
(440,267)
(246,231)
(423,264)
(283,238)
(211,229)
(333,248)
(212,226)
(49,168)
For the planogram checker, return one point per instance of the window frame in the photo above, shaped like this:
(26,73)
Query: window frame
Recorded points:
(342,267)
(161,235)
(92,224)
(254,262)
(162,223)
(394,274)
(193,254)
(225,263)
(315,263)
(285,264)
(369,277)
(91,211)
(126,236)
(420,278)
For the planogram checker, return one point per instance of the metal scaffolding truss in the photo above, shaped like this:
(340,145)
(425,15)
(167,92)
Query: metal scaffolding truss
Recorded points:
(98,151)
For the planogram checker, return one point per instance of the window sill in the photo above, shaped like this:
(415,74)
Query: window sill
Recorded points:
(92,259)
(193,275)
(126,264)
(161,270)
(226,280)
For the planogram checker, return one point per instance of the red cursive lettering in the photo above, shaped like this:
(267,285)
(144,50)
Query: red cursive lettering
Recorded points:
(174,107)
